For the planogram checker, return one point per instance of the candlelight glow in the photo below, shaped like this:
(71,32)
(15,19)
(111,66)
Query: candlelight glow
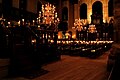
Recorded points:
(74,36)
(48,14)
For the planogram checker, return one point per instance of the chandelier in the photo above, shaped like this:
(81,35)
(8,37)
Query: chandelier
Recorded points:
(78,25)
(48,15)
(92,29)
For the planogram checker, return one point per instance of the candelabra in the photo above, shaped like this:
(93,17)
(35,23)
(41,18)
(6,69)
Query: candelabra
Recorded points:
(48,15)
(92,29)
(78,25)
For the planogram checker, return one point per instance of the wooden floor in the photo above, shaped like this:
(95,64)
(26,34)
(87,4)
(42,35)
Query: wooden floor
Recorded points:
(75,68)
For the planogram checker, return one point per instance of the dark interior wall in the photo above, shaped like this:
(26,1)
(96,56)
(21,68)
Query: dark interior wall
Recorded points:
(0,9)
(6,8)
(16,10)
(23,8)
(116,5)
(74,1)
(110,8)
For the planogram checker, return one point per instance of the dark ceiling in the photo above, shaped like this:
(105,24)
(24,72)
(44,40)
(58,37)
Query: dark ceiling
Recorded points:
(57,1)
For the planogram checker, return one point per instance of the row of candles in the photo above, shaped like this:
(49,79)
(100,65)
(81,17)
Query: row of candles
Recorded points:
(78,42)
(84,42)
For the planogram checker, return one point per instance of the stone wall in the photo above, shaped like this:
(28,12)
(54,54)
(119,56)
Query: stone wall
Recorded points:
(89,8)
(15,3)
(116,21)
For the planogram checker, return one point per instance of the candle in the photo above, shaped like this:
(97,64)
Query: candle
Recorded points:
(55,15)
(39,20)
(19,23)
(33,22)
(39,13)
(23,20)
(46,36)
(43,35)
(8,23)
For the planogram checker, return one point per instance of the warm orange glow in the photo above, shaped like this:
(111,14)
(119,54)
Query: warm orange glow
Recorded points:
(48,14)
(19,23)
(92,29)
(52,41)
(34,41)
(78,25)
(59,35)
(89,16)
(74,36)
(58,41)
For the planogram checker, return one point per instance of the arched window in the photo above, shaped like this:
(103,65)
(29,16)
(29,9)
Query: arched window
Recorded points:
(83,11)
(65,14)
(97,13)
(110,8)
(97,8)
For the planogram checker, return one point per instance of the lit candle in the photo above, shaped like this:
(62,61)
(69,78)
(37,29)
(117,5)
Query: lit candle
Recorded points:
(19,23)
(45,20)
(50,22)
(43,35)
(23,21)
(39,20)
(33,22)
(39,13)
(46,36)
(56,15)
(8,23)
(38,26)
(7,26)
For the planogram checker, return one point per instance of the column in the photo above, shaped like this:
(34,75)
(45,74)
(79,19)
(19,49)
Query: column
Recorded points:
(116,21)
(105,11)
(89,13)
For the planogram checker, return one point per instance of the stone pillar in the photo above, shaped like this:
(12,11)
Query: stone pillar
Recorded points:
(60,10)
(105,11)
(116,21)
(71,16)
(89,13)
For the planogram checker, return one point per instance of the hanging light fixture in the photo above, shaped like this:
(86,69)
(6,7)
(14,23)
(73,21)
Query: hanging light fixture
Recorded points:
(78,25)
(48,15)
(92,29)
